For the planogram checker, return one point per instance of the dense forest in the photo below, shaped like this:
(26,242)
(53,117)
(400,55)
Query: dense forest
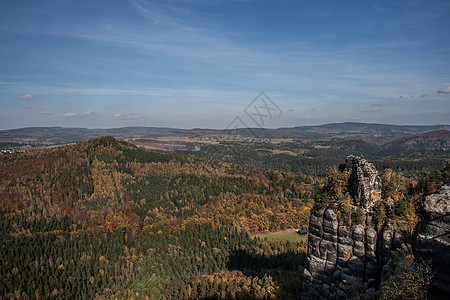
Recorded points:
(104,219)
(317,158)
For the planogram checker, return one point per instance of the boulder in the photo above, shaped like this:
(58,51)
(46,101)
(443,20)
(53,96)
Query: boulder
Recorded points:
(432,241)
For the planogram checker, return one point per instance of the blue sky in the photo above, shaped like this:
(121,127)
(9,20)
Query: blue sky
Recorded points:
(200,63)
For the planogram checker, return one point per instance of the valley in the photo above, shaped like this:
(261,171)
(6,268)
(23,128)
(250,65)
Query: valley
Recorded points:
(188,216)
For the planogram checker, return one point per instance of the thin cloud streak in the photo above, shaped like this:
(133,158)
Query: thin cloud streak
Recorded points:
(27,97)
(76,114)
(175,93)
(130,116)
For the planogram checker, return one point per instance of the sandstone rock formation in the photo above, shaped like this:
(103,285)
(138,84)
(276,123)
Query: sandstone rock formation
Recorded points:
(343,260)
(433,238)
(364,183)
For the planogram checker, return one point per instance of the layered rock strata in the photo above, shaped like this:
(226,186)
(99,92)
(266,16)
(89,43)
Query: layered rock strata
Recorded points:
(343,260)
(432,240)
(364,183)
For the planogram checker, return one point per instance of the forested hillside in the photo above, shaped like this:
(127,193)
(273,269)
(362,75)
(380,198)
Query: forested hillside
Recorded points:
(105,219)
(411,156)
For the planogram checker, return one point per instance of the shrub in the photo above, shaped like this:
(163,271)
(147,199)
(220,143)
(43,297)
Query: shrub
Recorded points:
(359,217)
(411,279)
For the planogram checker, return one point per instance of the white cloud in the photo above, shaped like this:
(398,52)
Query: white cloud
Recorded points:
(27,97)
(29,106)
(46,112)
(370,111)
(444,90)
(130,116)
(86,113)
(75,114)
(71,114)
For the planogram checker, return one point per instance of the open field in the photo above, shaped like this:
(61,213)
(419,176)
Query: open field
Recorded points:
(288,152)
(286,235)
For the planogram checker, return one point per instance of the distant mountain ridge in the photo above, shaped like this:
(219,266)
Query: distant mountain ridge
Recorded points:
(62,135)
(354,128)
(378,127)
(365,131)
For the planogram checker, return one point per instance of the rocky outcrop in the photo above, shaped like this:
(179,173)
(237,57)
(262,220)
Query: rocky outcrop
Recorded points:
(432,240)
(346,259)
(364,183)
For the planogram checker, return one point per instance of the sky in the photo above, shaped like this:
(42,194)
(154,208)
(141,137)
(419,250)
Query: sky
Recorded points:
(218,63)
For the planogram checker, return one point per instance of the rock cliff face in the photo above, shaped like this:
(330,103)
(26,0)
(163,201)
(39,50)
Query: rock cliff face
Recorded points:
(342,259)
(364,184)
(433,239)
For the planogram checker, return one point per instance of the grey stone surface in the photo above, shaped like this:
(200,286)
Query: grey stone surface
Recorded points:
(432,240)
(340,255)
(364,182)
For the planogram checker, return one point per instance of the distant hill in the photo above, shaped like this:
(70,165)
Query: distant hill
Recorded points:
(64,135)
(437,140)
(372,133)
(354,129)
(326,131)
